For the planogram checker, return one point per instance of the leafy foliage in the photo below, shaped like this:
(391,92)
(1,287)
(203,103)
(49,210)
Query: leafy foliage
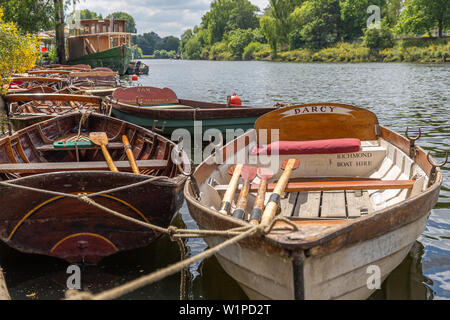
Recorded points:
(378,39)
(130,25)
(424,15)
(18,52)
(29,15)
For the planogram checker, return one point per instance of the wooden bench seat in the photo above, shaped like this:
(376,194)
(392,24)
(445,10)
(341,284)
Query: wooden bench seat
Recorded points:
(77,166)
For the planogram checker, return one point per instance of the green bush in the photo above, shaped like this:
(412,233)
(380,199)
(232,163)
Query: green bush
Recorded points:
(250,50)
(192,49)
(378,39)
(264,53)
(238,39)
(218,51)
(295,40)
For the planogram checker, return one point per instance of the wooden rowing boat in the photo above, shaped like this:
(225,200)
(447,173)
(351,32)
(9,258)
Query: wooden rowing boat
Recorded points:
(156,108)
(352,209)
(27,109)
(34,84)
(44,156)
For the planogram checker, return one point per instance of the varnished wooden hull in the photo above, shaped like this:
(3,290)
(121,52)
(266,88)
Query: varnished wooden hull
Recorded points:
(73,230)
(76,231)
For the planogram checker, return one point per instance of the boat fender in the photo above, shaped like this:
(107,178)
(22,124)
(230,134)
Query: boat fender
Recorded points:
(235,100)
(134,77)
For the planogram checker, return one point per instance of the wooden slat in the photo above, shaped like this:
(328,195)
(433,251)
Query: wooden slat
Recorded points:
(49,147)
(308,204)
(287,204)
(333,205)
(74,166)
(357,206)
(335,185)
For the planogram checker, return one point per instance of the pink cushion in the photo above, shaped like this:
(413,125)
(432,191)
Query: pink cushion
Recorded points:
(344,145)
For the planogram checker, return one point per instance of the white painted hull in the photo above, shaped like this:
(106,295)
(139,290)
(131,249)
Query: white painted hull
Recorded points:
(339,275)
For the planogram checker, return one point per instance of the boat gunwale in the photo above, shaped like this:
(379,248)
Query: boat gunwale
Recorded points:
(335,240)
(197,113)
(178,179)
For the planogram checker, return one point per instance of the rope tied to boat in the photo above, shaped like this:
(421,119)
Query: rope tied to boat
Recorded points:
(241,233)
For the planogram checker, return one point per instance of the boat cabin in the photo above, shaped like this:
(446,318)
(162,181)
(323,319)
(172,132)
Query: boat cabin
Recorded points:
(96,36)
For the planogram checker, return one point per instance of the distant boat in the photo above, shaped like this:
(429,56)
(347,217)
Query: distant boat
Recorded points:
(101,43)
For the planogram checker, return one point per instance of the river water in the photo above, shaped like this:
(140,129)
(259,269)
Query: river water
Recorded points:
(401,95)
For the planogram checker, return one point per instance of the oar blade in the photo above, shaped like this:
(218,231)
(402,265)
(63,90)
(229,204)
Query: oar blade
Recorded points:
(99,138)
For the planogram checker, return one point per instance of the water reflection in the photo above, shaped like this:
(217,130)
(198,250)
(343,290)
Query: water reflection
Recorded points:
(407,281)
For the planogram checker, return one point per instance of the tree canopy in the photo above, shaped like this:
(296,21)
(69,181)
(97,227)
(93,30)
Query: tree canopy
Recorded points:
(423,16)
(18,51)
(130,25)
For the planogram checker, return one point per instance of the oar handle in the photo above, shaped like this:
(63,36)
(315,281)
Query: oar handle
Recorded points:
(225,206)
(109,160)
(255,215)
(239,212)
(130,156)
(274,201)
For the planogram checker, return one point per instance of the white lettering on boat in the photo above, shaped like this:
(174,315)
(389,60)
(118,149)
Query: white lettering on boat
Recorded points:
(318,109)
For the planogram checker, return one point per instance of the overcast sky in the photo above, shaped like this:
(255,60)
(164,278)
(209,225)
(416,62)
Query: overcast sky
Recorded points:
(165,17)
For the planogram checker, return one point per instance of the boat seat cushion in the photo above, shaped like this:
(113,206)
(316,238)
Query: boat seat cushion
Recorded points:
(329,146)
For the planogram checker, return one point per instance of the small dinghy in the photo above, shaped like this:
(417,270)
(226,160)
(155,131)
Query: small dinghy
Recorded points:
(160,109)
(27,109)
(61,154)
(346,199)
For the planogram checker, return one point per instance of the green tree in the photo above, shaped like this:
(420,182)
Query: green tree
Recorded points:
(354,16)
(193,49)
(18,52)
(227,15)
(281,11)
(318,22)
(423,16)
(29,15)
(238,39)
(378,39)
(88,14)
(269,29)
(130,25)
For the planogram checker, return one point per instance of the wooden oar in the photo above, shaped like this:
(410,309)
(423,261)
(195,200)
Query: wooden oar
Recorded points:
(101,139)
(225,206)
(129,152)
(274,201)
(264,174)
(248,173)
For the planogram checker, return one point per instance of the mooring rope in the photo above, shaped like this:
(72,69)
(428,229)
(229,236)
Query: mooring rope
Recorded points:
(160,274)
(174,233)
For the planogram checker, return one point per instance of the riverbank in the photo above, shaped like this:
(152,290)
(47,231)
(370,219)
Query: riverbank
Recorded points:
(435,51)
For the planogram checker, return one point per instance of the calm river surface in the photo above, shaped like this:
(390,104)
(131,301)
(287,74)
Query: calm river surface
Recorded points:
(400,94)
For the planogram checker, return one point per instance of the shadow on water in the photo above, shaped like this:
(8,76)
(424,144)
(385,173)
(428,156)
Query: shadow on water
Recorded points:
(41,277)
(407,281)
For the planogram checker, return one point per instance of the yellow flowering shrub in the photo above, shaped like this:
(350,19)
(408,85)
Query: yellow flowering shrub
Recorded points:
(18,52)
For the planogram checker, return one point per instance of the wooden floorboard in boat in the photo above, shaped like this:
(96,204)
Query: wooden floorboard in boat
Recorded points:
(288,204)
(307,205)
(333,204)
(358,205)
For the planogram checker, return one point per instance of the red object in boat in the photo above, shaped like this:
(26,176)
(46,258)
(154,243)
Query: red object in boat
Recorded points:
(235,100)
(15,84)
(134,77)
(344,145)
